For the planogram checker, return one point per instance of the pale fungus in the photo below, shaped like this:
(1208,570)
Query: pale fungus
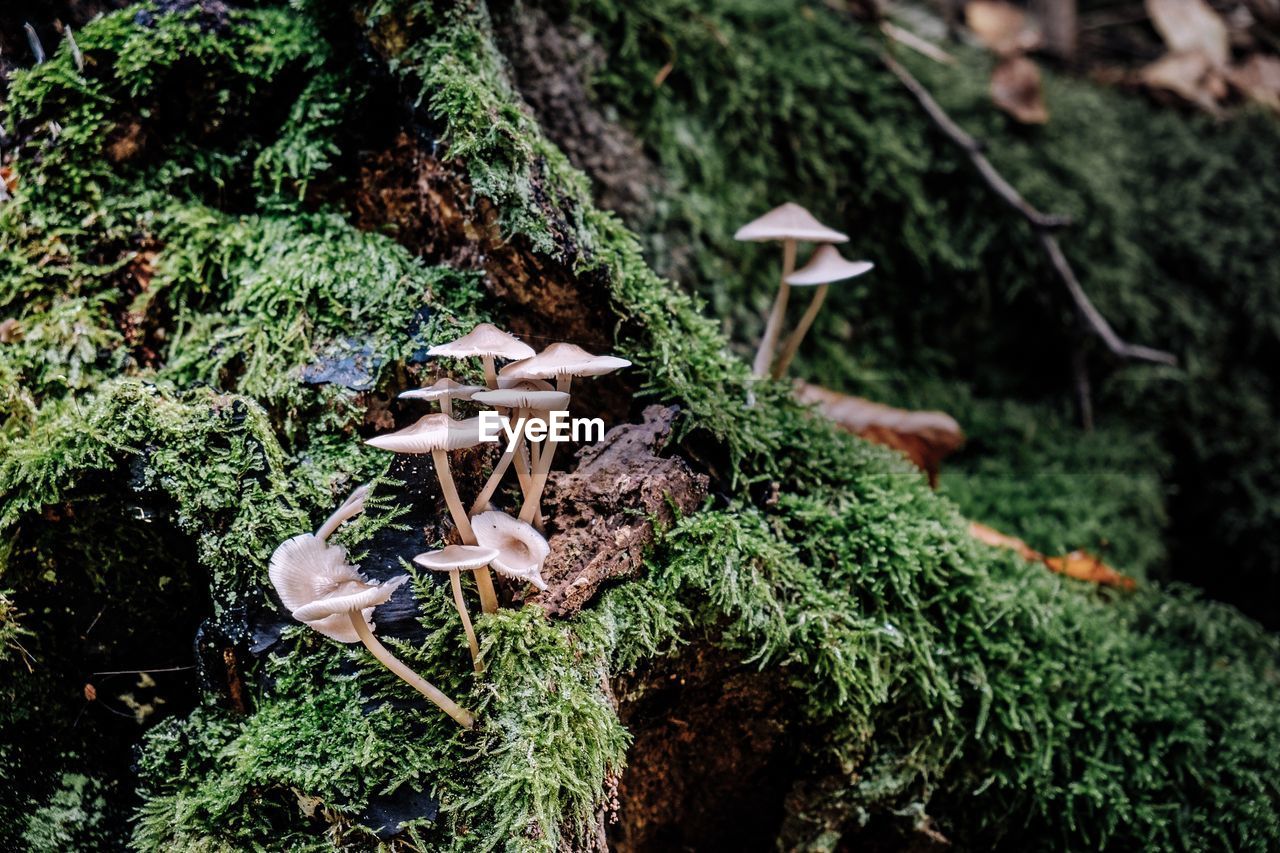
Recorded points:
(437,434)
(487,342)
(826,267)
(521,549)
(328,594)
(456,559)
(788,223)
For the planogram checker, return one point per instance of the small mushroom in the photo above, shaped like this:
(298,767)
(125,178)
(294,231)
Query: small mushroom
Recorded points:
(789,223)
(825,268)
(518,400)
(487,342)
(444,391)
(563,361)
(456,559)
(521,549)
(437,434)
(321,589)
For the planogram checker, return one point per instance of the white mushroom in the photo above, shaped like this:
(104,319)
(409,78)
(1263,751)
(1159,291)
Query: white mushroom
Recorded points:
(445,391)
(487,342)
(789,223)
(562,361)
(321,589)
(521,549)
(437,434)
(456,559)
(826,267)
(520,401)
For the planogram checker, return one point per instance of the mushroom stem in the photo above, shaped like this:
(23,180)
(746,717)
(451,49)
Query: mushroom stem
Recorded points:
(461,715)
(490,372)
(793,342)
(446,406)
(455,581)
(495,477)
(531,509)
(764,355)
(350,508)
(484,583)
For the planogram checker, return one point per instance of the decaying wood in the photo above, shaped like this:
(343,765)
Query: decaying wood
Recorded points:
(925,437)
(602,513)
(1044,224)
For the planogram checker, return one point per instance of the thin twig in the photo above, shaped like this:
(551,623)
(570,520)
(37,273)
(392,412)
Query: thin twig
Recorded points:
(1043,223)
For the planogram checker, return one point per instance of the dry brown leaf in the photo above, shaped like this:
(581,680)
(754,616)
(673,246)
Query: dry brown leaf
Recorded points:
(1001,27)
(1083,566)
(1258,79)
(1015,88)
(1191,76)
(925,437)
(1191,25)
(1080,565)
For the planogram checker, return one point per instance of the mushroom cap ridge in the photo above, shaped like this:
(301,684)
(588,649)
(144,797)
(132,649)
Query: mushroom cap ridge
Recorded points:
(788,221)
(430,432)
(484,339)
(828,266)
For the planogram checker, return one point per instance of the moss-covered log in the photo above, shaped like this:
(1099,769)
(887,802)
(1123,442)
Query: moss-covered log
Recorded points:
(235,232)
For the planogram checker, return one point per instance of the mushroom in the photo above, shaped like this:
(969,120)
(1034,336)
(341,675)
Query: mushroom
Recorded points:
(321,589)
(456,559)
(521,549)
(789,222)
(518,400)
(563,361)
(825,268)
(437,434)
(488,342)
(445,392)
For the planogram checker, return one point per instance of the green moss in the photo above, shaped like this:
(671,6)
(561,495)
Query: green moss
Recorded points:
(1013,705)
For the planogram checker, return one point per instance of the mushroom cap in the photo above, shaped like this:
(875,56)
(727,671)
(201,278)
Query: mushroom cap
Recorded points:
(305,571)
(485,339)
(520,398)
(788,221)
(347,597)
(561,360)
(431,432)
(443,389)
(456,558)
(525,384)
(826,266)
(521,549)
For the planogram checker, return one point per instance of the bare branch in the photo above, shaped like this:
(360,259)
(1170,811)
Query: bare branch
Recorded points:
(1043,223)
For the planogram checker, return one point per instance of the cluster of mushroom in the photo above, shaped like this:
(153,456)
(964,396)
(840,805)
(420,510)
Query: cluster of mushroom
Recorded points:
(319,586)
(791,224)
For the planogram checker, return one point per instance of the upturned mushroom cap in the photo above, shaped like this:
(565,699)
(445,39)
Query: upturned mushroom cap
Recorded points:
(456,558)
(444,389)
(319,587)
(521,398)
(562,360)
(789,221)
(485,339)
(525,384)
(431,432)
(826,266)
(521,549)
